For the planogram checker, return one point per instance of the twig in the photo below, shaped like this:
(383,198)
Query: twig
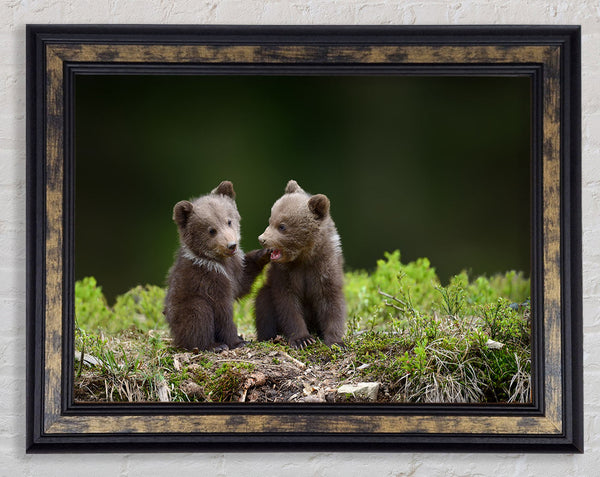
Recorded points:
(391,297)
(163,391)
(243,396)
(293,360)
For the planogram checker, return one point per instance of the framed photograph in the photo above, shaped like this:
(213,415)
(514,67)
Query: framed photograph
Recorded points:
(459,143)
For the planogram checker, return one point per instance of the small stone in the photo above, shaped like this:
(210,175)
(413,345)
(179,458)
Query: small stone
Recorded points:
(255,379)
(491,344)
(87,359)
(192,389)
(313,398)
(366,391)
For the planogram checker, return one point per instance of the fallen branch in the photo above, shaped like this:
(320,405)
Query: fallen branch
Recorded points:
(300,364)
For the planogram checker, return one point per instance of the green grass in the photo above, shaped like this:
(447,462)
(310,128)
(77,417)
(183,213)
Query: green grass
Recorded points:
(422,340)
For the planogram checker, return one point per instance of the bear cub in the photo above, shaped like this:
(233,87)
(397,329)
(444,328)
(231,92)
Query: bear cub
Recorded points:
(303,291)
(209,273)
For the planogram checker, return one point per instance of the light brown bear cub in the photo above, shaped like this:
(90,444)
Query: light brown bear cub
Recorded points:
(209,273)
(303,292)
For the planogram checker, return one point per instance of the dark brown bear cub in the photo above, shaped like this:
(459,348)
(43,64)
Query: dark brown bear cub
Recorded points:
(209,273)
(303,292)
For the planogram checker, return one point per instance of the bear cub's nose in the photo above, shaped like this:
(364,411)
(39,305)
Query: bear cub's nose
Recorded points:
(232,246)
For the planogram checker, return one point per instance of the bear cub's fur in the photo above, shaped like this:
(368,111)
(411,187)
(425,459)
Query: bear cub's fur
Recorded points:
(209,273)
(303,292)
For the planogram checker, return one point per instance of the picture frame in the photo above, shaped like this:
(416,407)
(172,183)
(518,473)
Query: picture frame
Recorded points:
(548,55)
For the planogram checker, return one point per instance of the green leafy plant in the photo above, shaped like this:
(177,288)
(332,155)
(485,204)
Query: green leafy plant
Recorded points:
(91,310)
(142,307)
(467,341)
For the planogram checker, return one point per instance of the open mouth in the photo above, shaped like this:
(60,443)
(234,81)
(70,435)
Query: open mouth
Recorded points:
(275,254)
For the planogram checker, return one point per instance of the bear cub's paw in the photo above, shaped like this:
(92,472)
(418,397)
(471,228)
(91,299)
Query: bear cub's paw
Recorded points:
(337,344)
(240,344)
(263,256)
(303,342)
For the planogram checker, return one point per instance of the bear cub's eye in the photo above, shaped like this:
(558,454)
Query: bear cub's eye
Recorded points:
(281,227)
(212,232)
(229,223)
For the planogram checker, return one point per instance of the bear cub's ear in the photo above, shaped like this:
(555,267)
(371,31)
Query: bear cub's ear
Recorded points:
(319,205)
(292,186)
(225,188)
(181,212)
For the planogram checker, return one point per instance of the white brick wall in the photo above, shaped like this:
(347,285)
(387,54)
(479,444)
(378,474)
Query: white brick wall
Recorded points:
(14,14)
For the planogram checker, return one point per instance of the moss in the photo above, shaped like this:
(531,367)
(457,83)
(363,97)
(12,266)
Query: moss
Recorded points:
(225,381)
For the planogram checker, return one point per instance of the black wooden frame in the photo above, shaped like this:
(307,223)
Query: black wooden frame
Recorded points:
(549,55)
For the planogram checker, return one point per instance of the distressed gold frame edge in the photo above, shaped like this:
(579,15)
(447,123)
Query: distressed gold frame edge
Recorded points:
(55,423)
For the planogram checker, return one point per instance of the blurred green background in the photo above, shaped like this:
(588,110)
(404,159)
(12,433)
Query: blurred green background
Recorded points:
(436,167)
